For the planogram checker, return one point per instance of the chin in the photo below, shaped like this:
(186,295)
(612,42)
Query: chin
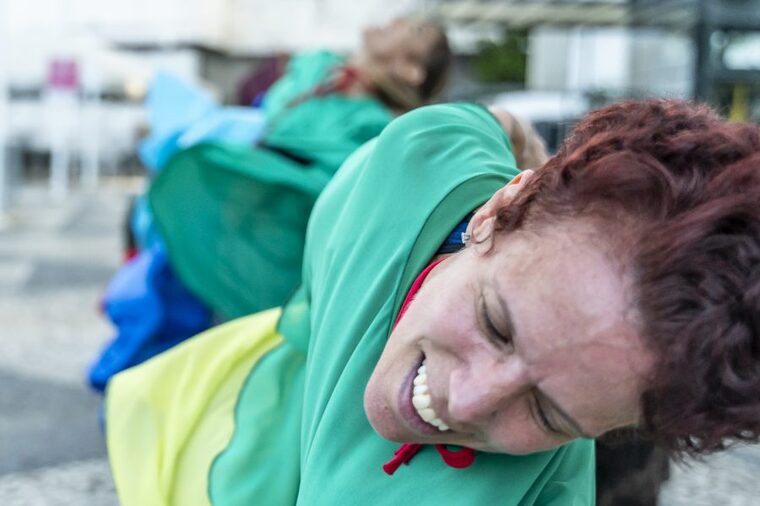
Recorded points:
(384,423)
(386,429)
(380,415)
(519,449)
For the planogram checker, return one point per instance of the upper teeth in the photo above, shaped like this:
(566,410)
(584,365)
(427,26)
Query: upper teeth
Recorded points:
(421,400)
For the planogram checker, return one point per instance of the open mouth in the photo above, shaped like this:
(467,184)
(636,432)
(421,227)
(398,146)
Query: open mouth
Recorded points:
(422,402)
(416,402)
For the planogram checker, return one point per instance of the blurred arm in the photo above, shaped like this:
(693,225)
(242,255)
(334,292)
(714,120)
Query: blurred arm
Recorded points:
(528,146)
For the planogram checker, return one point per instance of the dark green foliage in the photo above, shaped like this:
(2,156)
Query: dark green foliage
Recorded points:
(504,61)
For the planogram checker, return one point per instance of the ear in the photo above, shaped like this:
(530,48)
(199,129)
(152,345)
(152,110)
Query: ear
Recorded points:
(483,223)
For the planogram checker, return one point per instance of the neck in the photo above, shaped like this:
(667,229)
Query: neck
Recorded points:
(358,88)
(366,66)
(376,76)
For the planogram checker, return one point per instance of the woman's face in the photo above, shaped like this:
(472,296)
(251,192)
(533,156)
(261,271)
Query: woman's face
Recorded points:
(527,341)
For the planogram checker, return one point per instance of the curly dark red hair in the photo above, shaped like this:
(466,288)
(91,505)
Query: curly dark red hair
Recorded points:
(682,188)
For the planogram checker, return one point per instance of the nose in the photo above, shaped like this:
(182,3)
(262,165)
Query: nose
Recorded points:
(477,393)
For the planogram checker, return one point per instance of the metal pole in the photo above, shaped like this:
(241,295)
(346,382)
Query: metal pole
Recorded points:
(4,169)
(62,104)
(703,74)
(90,140)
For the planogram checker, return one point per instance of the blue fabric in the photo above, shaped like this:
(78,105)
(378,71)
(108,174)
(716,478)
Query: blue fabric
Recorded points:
(143,224)
(182,115)
(233,124)
(172,105)
(152,312)
(453,242)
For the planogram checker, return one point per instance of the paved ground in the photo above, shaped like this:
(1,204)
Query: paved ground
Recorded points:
(728,479)
(54,261)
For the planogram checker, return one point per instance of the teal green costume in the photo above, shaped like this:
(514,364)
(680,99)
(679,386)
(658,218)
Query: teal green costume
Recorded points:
(234,217)
(298,432)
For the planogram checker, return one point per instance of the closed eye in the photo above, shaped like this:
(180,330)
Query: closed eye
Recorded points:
(494,334)
(542,420)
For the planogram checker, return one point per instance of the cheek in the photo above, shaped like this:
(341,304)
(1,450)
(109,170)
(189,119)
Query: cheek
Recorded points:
(439,314)
(515,432)
(452,317)
(599,386)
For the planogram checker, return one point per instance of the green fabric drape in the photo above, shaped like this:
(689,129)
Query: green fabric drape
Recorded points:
(373,230)
(233,217)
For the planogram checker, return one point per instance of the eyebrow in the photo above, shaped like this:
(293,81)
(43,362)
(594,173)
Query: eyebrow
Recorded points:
(569,420)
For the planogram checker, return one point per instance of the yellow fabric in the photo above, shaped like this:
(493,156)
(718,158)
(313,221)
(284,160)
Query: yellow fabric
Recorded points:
(178,410)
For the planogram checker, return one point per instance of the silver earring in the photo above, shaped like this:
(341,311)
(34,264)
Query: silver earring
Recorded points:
(466,238)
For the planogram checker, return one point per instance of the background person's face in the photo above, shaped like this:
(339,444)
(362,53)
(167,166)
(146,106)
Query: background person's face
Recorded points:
(403,38)
(525,347)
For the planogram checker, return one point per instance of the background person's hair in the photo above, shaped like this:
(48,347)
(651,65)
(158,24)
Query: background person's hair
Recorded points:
(437,67)
(677,189)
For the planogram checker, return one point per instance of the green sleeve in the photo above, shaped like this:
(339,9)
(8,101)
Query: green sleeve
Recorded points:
(573,481)
(304,71)
(374,228)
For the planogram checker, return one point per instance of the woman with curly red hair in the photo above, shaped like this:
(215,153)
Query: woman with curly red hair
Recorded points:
(616,286)
(678,190)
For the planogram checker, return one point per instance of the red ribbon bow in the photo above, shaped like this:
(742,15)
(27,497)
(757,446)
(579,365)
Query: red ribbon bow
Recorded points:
(459,459)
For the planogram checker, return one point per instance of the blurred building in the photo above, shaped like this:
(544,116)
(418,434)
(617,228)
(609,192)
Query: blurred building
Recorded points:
(724,38)
(75,70)
(585,53)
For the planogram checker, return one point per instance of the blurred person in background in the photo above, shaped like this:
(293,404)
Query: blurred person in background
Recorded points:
(492,322)
(227,219)
(528,148)
(233,217)
(254,85)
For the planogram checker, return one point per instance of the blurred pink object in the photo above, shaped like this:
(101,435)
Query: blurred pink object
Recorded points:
(63,74)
